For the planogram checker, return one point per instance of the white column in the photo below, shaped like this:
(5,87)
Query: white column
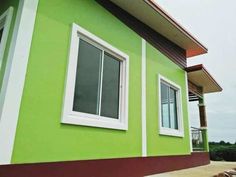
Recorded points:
(144,128)
(189,118)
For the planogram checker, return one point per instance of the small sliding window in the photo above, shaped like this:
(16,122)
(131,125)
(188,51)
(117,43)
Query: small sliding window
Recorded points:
(170,108)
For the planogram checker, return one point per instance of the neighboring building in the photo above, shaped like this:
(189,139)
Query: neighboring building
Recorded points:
(98,88)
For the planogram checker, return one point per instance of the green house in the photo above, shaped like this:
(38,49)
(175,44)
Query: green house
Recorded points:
(98,88)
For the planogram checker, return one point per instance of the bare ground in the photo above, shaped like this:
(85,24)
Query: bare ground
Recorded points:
(204,171)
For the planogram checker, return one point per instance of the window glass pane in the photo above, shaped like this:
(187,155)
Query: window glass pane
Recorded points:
(165,105)
(110,87)
(1,32)
(173,109)
(86,97)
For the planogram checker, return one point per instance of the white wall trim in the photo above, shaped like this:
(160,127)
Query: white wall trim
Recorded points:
(14,78)
(144,123)
(79,118)
(169,131)
(5,24)
(189,121)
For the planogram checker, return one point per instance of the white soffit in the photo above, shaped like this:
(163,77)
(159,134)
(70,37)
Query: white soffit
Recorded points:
(152,15)
(199,76)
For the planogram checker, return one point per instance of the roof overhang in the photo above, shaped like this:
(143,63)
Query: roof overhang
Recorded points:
(156,18)
(200,77)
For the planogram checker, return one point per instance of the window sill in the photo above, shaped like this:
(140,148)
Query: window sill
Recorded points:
(171,132)
(94,121)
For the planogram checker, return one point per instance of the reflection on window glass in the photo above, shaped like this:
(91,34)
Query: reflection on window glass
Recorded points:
(86,97)
(1,32)
(173,109)
(168,106)
(165,105)
(97,82)
(110,87)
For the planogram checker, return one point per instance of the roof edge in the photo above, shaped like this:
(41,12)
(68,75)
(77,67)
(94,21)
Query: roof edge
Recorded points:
(201,67)
(168,17)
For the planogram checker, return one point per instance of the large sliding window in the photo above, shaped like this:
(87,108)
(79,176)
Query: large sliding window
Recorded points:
(96,91)
(170,108)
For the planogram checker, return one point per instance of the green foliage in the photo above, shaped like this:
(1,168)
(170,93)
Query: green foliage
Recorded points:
(222,151)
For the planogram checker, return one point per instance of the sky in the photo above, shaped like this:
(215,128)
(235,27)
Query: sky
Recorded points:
(213,23)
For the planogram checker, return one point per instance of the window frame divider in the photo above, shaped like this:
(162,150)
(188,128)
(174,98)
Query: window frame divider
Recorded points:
(101,84)
(169,105)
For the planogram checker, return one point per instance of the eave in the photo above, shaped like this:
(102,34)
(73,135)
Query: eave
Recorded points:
(200,77)
(156,18)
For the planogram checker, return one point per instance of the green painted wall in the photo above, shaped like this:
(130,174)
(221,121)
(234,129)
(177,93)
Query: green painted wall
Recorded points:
(157,63)
(40,136)
(5,4)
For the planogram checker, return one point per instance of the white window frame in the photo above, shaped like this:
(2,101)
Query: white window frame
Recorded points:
(5,24)
(170,131)
(79,118)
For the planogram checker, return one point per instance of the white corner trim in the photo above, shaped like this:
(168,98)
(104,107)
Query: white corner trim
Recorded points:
(14,78)
(5,23)
(170,131)
(79,118)
(144,123)
(189,121)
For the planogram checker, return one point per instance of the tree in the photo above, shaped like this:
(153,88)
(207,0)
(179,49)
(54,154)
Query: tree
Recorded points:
(222,143)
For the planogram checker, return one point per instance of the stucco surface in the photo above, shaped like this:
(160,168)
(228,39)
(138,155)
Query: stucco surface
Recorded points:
(40,136)
(157,63)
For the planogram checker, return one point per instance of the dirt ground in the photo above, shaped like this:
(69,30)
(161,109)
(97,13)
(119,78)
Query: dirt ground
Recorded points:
(204,171)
